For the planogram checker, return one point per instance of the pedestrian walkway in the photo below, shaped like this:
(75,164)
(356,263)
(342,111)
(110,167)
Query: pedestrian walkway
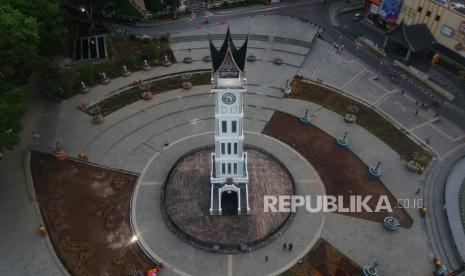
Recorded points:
(23,250)
(132,138)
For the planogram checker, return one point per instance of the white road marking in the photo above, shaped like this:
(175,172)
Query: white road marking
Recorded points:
(230,265)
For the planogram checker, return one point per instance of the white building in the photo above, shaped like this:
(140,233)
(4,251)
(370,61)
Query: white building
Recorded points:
(229,176)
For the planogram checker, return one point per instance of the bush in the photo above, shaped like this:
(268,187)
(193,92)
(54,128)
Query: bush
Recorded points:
(118,101)
(87,73)
(151,51)
(131,62)
(107,67)
(367,118)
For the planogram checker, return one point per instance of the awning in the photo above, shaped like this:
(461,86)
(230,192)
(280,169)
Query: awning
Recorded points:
(450,55)
(414,37)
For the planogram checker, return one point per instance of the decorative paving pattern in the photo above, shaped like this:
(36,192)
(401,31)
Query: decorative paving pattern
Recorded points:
(86,212)
(133,138)
(341,171)
(186,200)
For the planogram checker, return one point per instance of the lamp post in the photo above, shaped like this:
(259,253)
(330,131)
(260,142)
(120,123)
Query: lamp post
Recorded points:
(304,119)
(88,10)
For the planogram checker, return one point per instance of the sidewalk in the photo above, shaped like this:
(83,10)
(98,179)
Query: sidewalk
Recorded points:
(439,80)
(24,251)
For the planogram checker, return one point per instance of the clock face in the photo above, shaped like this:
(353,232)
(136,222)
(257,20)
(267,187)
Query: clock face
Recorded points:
(228,98)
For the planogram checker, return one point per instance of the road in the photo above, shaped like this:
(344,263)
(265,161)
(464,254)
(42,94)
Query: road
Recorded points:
(318,13)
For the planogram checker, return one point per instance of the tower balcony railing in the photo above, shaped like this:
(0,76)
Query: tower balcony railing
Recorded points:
(233,83)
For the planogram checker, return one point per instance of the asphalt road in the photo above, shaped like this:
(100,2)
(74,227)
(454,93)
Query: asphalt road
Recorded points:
(316,12)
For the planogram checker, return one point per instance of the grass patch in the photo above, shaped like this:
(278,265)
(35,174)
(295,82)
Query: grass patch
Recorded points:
(118,101)
(366,118)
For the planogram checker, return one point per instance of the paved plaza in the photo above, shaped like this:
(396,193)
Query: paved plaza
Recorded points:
(133,139)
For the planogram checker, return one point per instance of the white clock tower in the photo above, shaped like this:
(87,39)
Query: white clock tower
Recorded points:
(229,177)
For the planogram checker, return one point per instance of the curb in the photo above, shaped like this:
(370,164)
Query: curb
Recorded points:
(396,124)
(37,213)
(336,9)
(436,88)
(379,51)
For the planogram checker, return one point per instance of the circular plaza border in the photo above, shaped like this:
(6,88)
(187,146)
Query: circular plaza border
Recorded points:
(185,202)
(162,245)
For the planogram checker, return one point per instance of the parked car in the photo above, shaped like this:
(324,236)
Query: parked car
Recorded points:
(357,17)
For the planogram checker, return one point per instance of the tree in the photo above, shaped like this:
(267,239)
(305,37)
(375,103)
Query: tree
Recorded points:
(11,111)
(51,21)
(155,6)
(19,39)
(18,43)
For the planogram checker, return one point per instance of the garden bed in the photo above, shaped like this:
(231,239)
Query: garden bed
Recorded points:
(86,213)
(366,118)
(123,50)
(342,172)
(122,99)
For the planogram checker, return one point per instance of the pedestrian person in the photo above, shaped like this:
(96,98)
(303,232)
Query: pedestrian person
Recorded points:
(290,246)
(428,141)
(418,191)
(284,246)
(266,258)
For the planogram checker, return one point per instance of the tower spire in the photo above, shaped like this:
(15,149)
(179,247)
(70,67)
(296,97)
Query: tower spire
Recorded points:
(238,55)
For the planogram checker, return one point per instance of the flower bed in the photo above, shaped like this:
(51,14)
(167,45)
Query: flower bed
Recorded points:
(366,117)
(120,100)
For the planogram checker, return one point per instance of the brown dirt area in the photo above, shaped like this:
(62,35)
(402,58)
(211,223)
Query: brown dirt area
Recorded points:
(86,212)
(341,171)
(366,118)
(187,201)
(324,260)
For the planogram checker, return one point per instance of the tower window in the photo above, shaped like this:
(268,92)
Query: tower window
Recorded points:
(229,148)
(224,126)
(235,168)
(437,18)
(223,168)
(229,168)
(234,126)
(420,9)
(223,148)
(428,13)
(235,148)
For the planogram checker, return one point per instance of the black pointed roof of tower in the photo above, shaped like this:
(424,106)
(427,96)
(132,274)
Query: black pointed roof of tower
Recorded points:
(239,55)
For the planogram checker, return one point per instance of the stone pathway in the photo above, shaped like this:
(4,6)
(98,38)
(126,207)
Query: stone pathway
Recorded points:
(132,139)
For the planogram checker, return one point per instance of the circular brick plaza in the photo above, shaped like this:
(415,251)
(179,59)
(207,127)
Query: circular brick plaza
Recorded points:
(186,202)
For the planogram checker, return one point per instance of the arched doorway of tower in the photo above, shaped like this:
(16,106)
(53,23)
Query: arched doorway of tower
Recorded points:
(229,202)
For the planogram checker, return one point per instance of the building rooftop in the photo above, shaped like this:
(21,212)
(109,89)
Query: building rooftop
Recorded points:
(458,6)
